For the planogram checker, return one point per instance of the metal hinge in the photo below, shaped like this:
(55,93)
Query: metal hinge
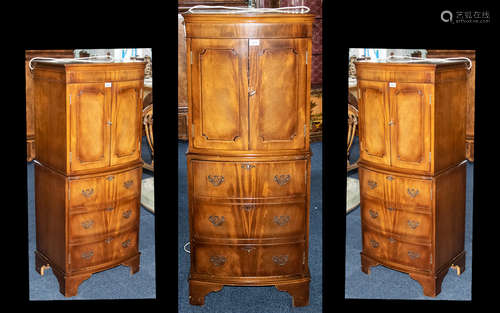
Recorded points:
(305,129)
(191,56)
(430,155)
(431,258)
(431,192)
(307,55)
(69,258)
(69,99)
(70,156)
(430,99)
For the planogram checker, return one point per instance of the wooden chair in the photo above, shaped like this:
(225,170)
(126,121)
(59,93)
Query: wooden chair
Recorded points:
(352,120)
(147,121)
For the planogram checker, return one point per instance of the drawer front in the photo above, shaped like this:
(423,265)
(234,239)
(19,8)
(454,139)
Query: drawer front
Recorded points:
(128,184)
(249,179)
(118,216)
(248,260)
(414,192)
(385,247)
(106,188)
(244,221)
(412,225)
(109,249)
(372,183)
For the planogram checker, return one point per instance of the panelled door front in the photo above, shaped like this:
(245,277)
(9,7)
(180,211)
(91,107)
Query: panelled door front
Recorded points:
(219,93)
(374,131)
(410,125)
(89,119)
(126,124)
(277,93)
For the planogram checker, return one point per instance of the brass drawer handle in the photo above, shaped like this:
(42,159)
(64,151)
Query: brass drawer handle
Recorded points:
(126,243)
(218,260)
(87,224)
(281,220)
(248,249)
(282,179)
(87,255)
(128,183)
(215,180)
(127,214)
(390,177)
(108,240)
(413,224)
(217,221)
(248,207)
(109,209)
(392,240)
(413,255)
(373,214)
(412,192)
(280,259)
(87,192)
(111,177)
(391,209)
(374,243)
(247,166)
(372,184)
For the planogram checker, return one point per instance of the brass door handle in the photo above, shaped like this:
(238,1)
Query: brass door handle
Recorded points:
(216,220)
(218,260)
(280,259)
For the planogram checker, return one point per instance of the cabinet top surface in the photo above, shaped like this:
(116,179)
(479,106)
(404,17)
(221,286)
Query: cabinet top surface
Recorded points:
(77,62)
(222,15)
(413,62)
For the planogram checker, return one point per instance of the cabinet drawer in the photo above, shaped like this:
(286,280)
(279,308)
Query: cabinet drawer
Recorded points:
(387,248)
(410,224)
(372,183)
(109,249)
(248,260)
(101,220)
(106,188)
(249,179)
(256,221)
(414,192)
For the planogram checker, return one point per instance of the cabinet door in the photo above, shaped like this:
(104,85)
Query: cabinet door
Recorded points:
(278,97)
(374,134)
(410,129)
(89,116)
(219,96)
(126,124)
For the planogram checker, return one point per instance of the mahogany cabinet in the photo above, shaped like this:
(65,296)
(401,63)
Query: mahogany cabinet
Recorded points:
(30,109)
(88,168)
(471,86)
(248,157)
(412,168)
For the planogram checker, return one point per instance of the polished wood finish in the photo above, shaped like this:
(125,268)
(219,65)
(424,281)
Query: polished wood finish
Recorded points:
(30,108)
(182,97)
(471,103)
(248,156)
(88,168)
(413,168)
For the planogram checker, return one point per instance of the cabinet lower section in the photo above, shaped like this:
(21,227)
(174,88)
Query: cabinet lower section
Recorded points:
(249,224)
(86,224)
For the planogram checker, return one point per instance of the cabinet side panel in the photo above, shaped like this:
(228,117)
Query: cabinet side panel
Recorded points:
(450,214)
(50,214)
(50,121)
(450,110)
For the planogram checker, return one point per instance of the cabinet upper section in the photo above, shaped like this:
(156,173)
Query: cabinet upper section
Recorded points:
(267,25)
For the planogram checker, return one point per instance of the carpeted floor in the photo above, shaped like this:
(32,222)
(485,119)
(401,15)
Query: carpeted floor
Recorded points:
(254,299)
(384,283)
(115,283)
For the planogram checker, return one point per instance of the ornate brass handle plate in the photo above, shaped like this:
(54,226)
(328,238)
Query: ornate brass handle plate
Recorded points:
(87,255)
(128,184)
(372,184)
(247,166)
(218,260)
(126,243)
(281,220)
(215,180)
(282,179)
(87,224)
(248,249)
(413,224)
(280,259)
(373,214)
(413,255)
(216,220)
(108,240)
(412,192)
(127,214)
(87,192)
(374,243)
